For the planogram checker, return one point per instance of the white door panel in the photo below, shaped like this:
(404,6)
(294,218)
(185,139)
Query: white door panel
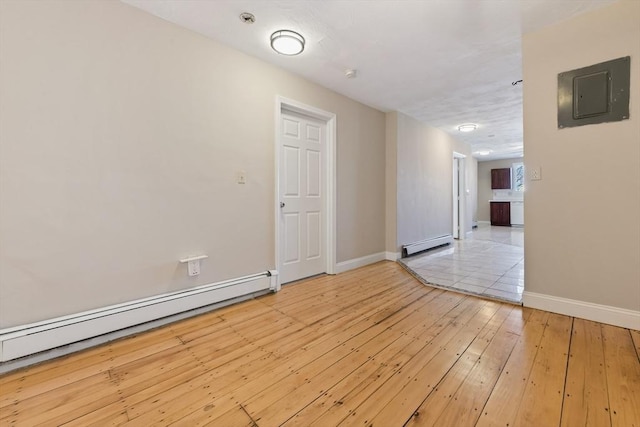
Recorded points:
(302,180)
(291,128)
(292,243)
(313,173)
(314,238)
(291,163)
(314,133)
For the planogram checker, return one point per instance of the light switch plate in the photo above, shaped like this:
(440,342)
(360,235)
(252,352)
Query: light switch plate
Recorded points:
(536,174)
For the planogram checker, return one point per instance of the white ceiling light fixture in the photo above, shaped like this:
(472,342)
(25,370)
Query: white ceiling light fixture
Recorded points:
(483,153)
(468,127)
(287,42)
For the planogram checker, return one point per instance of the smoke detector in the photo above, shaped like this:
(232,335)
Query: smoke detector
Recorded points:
(247,18)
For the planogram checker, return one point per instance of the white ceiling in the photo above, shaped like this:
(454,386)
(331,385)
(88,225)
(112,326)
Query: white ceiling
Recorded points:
(444,62)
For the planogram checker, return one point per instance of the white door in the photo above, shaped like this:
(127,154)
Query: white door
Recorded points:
(302,196)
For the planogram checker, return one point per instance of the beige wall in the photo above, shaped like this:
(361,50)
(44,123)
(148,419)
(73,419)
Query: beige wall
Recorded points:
(120,139)
(582,239)
(425,179)
(484,184)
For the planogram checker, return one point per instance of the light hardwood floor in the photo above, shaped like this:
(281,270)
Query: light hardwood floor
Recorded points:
(368,347)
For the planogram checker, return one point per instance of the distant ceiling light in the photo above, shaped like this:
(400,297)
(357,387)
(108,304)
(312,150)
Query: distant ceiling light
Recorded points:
(247,18)
(483,153)
(469,127)
(287,42)
(351,74)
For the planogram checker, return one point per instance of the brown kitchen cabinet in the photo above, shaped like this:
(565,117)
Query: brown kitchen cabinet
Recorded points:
(500,213)
(501,179)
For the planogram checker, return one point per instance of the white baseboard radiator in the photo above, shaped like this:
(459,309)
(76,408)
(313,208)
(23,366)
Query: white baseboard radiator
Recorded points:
(423,245)
(29,339)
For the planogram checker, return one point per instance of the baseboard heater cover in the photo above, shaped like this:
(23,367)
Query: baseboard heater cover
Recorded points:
(29,339)
(423,245)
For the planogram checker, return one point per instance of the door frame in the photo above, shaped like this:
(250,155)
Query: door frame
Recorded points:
(329,119)
(459,158)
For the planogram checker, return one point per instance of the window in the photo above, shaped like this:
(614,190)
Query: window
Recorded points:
(518,176)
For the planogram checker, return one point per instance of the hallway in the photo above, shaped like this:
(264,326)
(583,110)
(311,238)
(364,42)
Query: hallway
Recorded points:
(489,263)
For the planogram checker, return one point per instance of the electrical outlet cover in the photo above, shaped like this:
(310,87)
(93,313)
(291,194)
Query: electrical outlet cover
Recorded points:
(194,267)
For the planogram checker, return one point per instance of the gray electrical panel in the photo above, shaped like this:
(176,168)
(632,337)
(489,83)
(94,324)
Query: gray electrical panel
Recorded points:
(595,94)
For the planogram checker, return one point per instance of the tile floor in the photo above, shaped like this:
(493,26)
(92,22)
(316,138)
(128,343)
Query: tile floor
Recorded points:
(489,263)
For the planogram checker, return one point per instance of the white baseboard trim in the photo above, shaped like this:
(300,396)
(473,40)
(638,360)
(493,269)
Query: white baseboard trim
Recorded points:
(343,266)
(392,256)
(483,222)
(585,310)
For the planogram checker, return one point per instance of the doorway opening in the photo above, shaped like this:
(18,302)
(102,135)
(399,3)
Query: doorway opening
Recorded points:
(304,191)
(459,196)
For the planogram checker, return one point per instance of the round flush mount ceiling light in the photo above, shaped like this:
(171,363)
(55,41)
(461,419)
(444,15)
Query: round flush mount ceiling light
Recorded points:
(467,127)
(287,42)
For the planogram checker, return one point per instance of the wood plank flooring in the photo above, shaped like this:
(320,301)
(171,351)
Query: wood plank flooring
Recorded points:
(370,347)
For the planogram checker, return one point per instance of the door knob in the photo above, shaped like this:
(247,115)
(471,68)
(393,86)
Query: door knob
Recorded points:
(282,204)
